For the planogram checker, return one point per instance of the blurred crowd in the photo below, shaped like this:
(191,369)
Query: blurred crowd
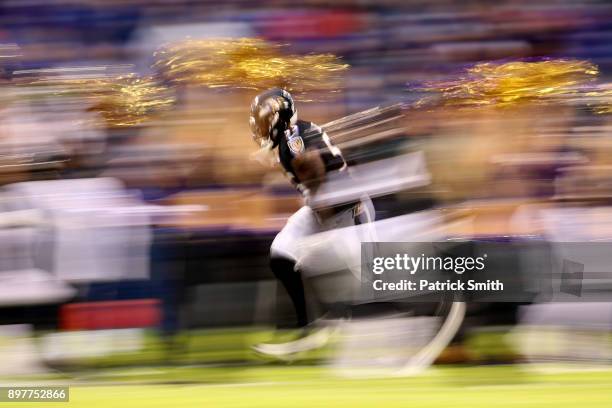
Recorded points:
(390,46)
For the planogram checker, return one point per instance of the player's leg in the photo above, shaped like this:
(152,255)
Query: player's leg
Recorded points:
(284,253)
(284,270)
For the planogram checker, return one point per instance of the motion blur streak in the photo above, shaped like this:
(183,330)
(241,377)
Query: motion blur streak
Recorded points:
(247,63)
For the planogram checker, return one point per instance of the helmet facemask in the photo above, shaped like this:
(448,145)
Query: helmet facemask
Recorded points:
(272,114)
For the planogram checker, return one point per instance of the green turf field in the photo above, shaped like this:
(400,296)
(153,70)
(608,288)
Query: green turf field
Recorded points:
(299,386)
(218,369)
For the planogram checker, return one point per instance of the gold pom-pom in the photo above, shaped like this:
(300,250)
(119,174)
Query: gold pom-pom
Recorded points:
(129,100)
(600,99)
(124,100)
(514,83)
(247,63)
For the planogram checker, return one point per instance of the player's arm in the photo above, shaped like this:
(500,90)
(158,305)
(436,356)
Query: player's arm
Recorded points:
(309,169)
(310,166)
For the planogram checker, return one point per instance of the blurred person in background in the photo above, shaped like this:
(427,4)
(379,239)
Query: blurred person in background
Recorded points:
(306,156)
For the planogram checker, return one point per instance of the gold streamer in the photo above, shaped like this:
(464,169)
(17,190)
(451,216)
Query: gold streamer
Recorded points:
(601,99)
(514,83)
(247,63)
(122,101)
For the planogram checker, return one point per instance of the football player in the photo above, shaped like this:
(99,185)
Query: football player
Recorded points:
(307,156)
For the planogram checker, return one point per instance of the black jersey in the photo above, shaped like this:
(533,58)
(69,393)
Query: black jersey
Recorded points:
(306,136)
